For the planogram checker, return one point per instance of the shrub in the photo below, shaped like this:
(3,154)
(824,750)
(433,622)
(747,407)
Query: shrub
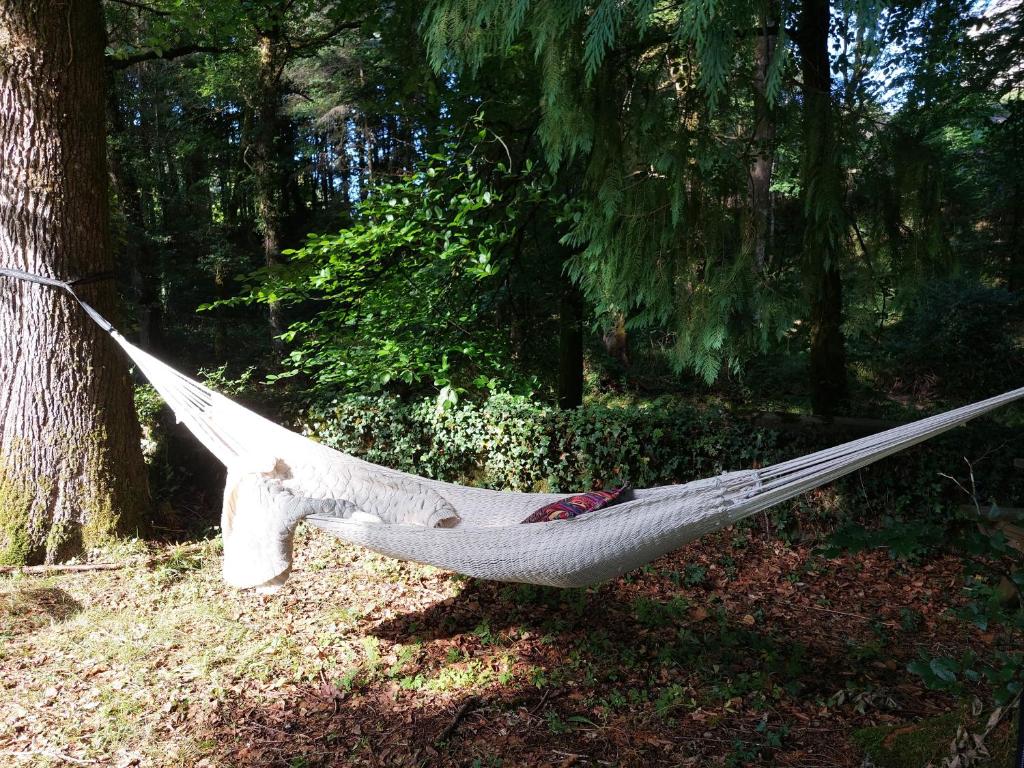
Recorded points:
(513,443)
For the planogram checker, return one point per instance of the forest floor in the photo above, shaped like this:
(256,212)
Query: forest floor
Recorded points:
(736,650)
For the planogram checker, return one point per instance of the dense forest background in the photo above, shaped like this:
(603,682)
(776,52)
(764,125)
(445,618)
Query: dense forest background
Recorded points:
(408,227)
(805,205)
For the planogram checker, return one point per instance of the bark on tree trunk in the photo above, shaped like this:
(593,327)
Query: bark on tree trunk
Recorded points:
(266,165)
(760,181)
(821,200)
(71,471)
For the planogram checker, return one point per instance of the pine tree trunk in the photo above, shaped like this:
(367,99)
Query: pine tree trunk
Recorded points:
(71,471)
(821,200)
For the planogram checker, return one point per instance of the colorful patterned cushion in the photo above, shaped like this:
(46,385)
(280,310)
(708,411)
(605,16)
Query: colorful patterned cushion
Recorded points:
(563,509)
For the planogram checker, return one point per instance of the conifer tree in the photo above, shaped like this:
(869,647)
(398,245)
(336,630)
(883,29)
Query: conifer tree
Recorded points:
(647,98)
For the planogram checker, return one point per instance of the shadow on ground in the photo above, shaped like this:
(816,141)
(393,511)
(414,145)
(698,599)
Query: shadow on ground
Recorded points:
(25,608)
(598,677)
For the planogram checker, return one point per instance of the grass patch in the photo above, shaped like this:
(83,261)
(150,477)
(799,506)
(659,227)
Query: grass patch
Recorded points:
(928,741)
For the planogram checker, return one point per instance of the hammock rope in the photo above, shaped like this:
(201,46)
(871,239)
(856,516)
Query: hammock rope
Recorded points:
(488,541)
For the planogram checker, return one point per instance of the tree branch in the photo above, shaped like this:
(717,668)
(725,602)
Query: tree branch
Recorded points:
(315,42)
(141,7)
(166,54)
(462,711)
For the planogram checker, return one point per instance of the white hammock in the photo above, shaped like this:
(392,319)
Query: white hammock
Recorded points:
(488,541)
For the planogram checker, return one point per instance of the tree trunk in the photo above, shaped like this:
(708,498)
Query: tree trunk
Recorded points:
(760,180)
(570,348)
(71,472)
(821,200)
(266,163)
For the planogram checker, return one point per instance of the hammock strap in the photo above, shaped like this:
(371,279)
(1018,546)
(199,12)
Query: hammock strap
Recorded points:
(69,286)
(191,402)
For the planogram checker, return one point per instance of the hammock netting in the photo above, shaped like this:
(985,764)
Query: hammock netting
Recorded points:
(487,539)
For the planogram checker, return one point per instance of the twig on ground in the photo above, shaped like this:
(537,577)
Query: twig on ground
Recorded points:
(65,568)
(141,562)
(577,756)
(459,715)
(422,584)
(49,753)
(540,704)
(839,613)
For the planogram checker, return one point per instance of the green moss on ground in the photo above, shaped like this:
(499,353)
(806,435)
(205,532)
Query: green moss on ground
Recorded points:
(927,742)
